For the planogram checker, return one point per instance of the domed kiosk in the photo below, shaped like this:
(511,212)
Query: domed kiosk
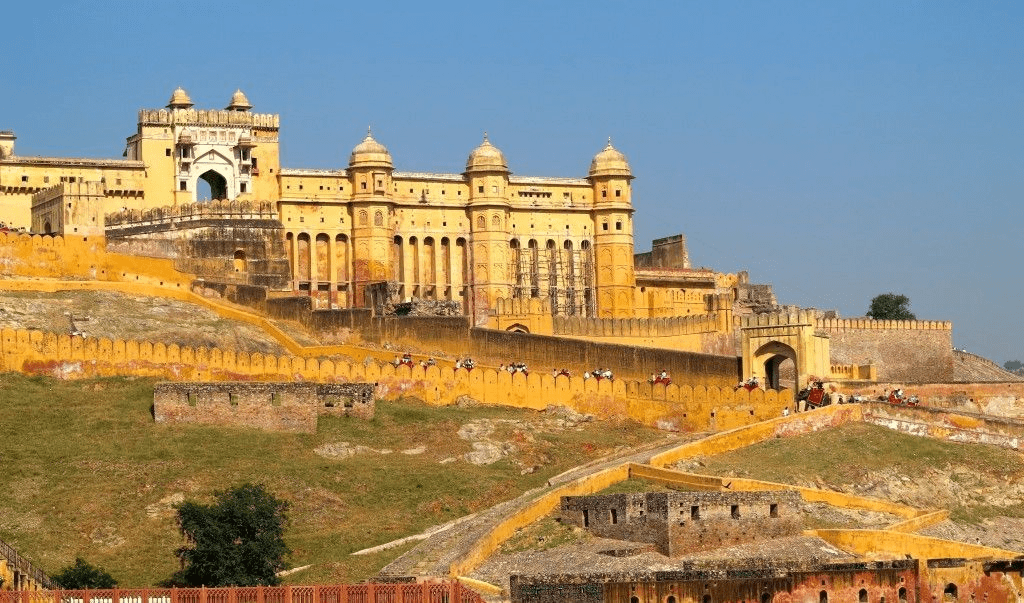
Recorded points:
(486,158)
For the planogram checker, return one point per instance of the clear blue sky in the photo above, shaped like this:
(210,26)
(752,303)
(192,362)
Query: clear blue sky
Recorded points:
(834,149)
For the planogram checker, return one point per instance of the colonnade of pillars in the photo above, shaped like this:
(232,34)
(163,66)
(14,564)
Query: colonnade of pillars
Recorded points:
(322,265)
(431,268)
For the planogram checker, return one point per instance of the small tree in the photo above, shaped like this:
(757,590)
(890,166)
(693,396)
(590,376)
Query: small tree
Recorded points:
(1013,365)
(83,575)
(891,306)
(236,541)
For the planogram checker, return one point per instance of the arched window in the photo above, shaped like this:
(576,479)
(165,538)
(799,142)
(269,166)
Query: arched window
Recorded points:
(766,598)
(378,218)
(823,597)
(363,217)
(950,593)
(634,599)
(495,221)
(903,595)
(862,596)
(706,599)
(239,261)
(670,599)
(481,222)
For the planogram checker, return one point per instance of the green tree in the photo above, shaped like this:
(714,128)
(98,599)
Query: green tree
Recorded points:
(891,306)
(83,575)
(1013,365)
(236,541)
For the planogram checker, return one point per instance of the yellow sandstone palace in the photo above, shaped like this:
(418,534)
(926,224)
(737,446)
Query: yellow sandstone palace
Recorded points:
(474,237)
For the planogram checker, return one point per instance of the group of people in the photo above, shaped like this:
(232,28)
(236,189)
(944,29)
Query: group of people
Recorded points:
(560,373)
(599,373)
(516,367)
(466,363)
(406,360)
(750,384)
(663,378)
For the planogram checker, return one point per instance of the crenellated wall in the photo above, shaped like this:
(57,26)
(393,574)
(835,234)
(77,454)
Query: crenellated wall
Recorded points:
(675,407)
(917,351)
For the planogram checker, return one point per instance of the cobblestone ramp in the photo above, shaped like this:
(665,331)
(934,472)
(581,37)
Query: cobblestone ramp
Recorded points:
(435,555)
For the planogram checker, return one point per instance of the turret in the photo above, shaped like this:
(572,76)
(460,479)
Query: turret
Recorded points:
(610,177)
(487,175)
(369,171)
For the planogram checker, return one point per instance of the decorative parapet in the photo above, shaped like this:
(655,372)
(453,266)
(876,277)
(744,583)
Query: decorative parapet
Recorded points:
(778,319)
(212,117)
(187,212)
(839,324)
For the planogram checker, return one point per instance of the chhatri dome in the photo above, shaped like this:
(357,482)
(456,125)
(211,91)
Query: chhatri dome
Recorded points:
(239,102)
(486,158)
(179,99)
(370,153)
(610,162)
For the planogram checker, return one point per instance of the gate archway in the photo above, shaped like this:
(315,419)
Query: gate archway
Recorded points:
(769,340)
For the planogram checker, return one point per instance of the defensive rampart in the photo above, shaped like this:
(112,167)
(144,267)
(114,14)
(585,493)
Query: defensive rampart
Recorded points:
(675,407)
(275,406)
(947,424)
(1004,399)
(917,351)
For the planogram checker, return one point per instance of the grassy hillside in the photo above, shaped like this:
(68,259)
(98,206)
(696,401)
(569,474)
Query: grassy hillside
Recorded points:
(87,472)
(974,481)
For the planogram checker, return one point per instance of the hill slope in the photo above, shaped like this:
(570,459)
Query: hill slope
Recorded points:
(89,473)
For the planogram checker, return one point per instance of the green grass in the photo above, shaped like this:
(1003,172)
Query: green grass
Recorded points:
(82,461)
(853,453)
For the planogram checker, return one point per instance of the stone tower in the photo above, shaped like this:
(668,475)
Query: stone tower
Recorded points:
(369,171)
(610,177)
(487,174)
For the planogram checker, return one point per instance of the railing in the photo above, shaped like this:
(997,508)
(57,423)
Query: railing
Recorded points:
(425,592)
(16,561)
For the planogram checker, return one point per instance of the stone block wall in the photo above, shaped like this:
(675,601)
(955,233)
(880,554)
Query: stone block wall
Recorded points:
(684,522)
(908,351)
(270,406)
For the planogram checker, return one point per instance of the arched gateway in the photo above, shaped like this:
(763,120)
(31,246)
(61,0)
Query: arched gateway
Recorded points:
(769,340)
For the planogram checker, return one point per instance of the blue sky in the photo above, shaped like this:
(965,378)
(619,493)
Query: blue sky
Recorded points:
(834,149)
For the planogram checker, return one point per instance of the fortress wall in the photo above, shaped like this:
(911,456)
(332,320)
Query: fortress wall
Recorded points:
(635,327)
(625,361)
(82,258)
(911,351)
(673,407)
(996,399)
(948,425)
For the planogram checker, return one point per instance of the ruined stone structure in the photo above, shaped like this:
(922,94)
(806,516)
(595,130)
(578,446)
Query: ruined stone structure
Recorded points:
(684,522)
(277,406)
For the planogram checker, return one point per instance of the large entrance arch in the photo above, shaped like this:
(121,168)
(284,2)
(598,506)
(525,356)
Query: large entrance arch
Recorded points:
(218,184)
(769,358)
(769,340)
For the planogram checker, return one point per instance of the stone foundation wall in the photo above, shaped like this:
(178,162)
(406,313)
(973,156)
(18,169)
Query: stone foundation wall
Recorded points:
(269,406)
